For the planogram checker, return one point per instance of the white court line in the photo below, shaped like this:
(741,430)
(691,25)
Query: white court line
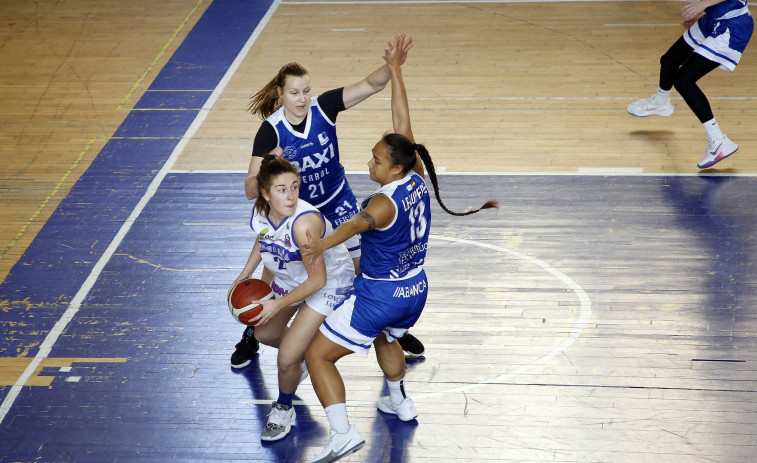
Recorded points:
(614,171)
(578,327)
(431,2)
(73,307)
(642,25)
(582,172)
(554,98)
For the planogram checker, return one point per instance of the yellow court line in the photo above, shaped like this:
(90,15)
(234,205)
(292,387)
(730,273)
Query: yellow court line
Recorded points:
(160,53)
(49,197)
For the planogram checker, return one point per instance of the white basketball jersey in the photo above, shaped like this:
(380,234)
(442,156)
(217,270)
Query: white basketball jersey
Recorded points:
(281,253)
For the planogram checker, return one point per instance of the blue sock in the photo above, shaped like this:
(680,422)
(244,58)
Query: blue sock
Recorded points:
(285,399)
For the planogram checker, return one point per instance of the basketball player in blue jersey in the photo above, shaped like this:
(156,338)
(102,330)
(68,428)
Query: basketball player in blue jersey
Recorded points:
(390,292)
(305,291)
(302,129)
(716,39)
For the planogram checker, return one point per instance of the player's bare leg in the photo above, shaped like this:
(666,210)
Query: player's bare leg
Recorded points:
(392,362)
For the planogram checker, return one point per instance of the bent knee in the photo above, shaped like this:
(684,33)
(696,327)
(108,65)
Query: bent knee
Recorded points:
(267,338)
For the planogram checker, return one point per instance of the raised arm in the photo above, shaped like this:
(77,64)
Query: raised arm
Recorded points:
(372,84)
(394,56)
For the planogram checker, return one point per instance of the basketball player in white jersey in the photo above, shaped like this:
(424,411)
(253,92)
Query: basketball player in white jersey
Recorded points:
(307,291)
(716,39)
(302,129)
(390,292)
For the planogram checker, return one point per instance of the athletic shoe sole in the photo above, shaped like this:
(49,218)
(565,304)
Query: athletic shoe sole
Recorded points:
(664,114)
(242,365)
(716,160)
(334,457)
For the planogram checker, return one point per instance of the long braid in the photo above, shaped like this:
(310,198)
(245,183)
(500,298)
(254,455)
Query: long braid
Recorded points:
(426,158)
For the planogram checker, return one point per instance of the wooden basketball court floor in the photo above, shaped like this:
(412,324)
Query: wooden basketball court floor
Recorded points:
(606,313)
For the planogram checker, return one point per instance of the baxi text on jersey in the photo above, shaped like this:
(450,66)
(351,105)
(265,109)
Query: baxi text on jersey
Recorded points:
(410,291)
(315,160)
(413,198)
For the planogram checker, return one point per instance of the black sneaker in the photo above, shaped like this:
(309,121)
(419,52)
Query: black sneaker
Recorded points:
(245,349)
(411,345)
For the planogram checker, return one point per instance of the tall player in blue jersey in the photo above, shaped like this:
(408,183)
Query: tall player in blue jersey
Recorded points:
(716,39)
(390,292)
(302,129)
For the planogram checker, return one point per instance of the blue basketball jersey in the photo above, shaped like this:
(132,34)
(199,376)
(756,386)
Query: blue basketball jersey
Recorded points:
(315,153)
(393,252)
(722,9)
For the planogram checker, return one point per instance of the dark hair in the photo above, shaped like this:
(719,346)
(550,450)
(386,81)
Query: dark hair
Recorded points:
(266,101)
(270,168)
(402,153)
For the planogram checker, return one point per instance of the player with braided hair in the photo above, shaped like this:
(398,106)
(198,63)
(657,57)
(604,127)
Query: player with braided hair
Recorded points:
(389,294)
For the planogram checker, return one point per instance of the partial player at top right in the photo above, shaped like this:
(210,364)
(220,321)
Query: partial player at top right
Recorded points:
(715,39)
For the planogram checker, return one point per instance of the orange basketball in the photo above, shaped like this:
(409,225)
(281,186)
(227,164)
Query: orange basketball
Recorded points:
(240,299)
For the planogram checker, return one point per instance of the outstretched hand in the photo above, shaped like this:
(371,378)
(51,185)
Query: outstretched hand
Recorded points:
(312,249)
(397,51)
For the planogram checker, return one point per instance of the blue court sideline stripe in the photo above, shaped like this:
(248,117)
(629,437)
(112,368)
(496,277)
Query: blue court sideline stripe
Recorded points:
(56,264)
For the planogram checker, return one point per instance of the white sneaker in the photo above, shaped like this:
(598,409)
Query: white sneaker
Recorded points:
(405,410)
(648,107)
(716,151)
(280,421)
(340,445)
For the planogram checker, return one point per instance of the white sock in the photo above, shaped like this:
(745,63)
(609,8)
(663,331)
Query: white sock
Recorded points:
(337,415)
(662,96)
(396,391)
(713,130)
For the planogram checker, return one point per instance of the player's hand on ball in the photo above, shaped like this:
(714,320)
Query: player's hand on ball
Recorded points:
(233,285)
(269,310)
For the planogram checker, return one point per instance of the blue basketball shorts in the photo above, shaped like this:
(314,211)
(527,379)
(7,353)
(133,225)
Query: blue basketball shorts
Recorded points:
(374,307)
(721,40)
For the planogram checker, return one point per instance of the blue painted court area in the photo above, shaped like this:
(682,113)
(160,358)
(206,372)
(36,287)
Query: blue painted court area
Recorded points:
(149,378)
(49,274)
